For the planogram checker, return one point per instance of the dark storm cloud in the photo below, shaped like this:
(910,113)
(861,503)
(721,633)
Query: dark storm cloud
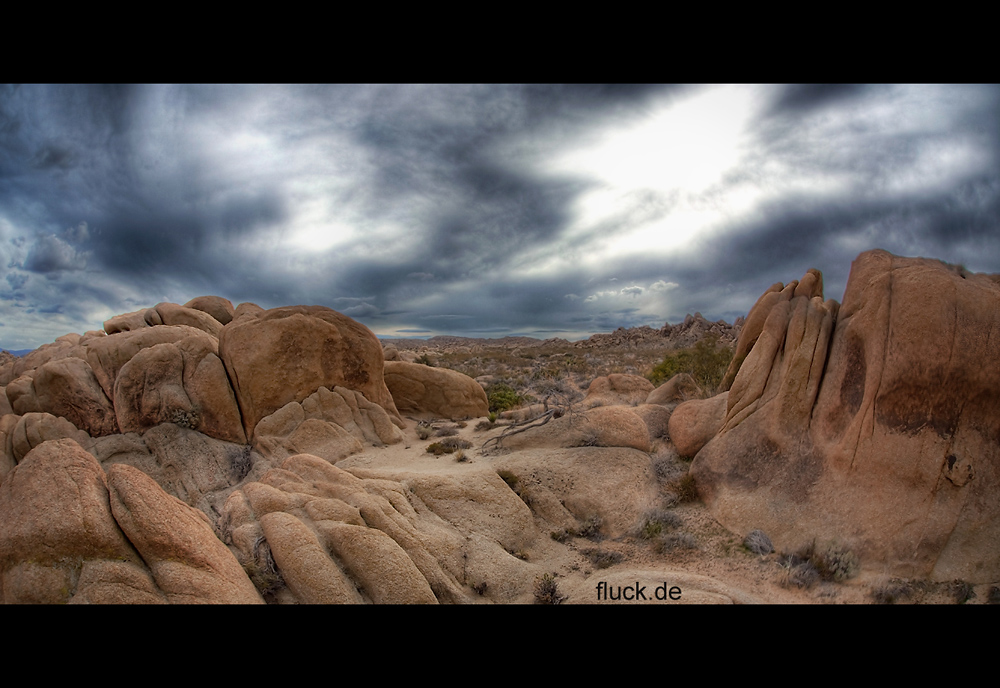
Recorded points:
(50,254)
(431,209)
(797,99)
(572,101)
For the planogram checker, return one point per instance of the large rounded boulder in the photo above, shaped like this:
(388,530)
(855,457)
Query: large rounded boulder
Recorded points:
(285,354)
(438,392)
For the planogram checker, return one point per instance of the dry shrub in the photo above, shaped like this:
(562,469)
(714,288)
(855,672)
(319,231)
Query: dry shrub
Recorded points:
(546,590)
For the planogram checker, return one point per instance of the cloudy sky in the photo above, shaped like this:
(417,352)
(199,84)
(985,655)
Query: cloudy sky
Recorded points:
(478,210)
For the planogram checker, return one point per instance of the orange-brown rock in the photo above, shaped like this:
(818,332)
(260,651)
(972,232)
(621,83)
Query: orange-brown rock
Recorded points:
(108,354)
(32,429)
(174,314)
(188,562)
(286,354)
(219,308)
(183,383)
(65,346)
(68,388)
(338,538)
(616,426)
(438,392)
(615,389)
(54,517)
(330,424)
(680,387)
(695,422)
(136,320)
(888,444)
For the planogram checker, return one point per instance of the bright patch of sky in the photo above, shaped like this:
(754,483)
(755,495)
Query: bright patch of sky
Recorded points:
(680,151)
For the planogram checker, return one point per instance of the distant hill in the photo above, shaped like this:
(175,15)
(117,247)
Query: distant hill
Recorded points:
(17,352)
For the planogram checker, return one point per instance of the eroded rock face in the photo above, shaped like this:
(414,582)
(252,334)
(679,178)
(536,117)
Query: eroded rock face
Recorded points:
(438,392)
(330,424)
(219,308)
(183,383)
(615,389)
(69,533)
(336,538)
(285,354)
(66,387)
(694,423)
(188,562)
(681,387)
(892,448)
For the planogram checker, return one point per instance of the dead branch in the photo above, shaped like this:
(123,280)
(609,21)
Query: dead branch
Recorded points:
(520,426)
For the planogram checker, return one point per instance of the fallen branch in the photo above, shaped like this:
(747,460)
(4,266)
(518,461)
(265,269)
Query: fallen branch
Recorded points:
(521,427)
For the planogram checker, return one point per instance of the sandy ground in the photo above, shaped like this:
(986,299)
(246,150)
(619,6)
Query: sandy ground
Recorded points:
(715,568)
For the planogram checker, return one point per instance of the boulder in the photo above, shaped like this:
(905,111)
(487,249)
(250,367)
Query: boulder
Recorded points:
(888,444)
(32,429)
(108,354)
(438,392)
(331,424)
(607,489)
(136,320)
(680,387)
(285,354)
(695,422)
(65,387)
(616,426)
(65,346)
(188,562)
(174,314)
(197,469)
(54,514)
(183,383)
(219,308)
(336,537)
(615,389)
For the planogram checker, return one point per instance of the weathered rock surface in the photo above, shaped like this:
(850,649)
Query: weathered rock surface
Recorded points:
(174,314)
(615,389)
(197,469)
(71,534)
(219,308)
(333,534)
(695,422)
(56,516)
(605,488)
(892,447)
(681,387)
(108,354)
(66,387)
(32,429)
(188,562)
(437,392)
(183,383)
(285,354)
(330,424)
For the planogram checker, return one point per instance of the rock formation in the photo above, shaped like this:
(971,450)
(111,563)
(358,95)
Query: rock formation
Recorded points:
(438,392)
(872,424)
(210,454)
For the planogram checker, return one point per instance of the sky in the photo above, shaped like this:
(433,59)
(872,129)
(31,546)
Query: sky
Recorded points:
(478,210)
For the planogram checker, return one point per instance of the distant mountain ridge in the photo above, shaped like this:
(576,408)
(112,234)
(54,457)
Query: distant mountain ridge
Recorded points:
(686,333)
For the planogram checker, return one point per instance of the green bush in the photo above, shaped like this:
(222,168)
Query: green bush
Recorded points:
(706,361)
(502,397)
